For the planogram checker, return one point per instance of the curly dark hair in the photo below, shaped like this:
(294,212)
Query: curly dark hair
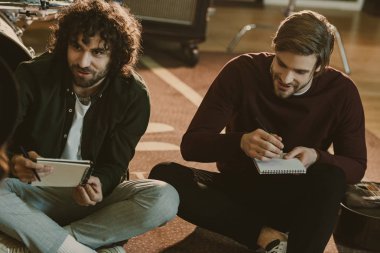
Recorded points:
(306,33)
(115,24)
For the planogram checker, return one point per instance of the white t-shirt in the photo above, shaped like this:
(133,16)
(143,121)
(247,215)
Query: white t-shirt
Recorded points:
(72,147)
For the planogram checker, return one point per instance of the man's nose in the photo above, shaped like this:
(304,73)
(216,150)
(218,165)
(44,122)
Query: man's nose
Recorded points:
(85,60)
(287,77)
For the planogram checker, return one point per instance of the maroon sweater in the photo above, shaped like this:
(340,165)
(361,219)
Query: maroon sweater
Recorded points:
(330,112)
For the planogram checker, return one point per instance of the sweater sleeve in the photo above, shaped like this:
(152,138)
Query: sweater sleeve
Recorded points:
(349,145)
(203,141)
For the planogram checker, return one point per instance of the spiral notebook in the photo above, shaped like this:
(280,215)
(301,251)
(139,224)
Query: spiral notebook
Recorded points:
(280,166)
(66,173)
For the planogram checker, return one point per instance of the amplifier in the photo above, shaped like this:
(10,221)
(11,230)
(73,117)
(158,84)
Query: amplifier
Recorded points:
(180,20)
(164,11)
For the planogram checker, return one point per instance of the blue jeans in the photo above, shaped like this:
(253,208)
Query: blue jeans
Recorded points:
(36,215)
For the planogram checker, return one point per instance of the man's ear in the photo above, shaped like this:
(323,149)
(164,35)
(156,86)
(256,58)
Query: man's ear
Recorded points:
(317,70)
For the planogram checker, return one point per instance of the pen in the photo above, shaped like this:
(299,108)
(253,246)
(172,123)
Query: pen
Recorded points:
(261,125)
(26,155)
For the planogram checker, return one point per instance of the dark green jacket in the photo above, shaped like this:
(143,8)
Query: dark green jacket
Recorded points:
(113,125)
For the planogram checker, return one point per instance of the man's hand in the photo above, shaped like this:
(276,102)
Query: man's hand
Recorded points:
(90,193)
(23,167)
(4,162)
(261,145)
(307,156)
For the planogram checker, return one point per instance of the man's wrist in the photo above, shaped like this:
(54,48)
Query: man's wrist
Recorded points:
(12,166)
(317,155)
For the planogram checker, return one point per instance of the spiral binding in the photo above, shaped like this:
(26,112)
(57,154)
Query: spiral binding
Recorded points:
(291,171)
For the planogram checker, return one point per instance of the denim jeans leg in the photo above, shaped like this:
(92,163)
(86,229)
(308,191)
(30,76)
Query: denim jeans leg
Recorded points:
(26,223)
(133,208)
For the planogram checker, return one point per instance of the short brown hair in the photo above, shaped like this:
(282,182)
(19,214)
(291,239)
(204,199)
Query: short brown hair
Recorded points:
(115,25)
(306,33)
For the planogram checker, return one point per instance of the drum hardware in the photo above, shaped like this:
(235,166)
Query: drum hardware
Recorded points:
(358,225)
(31,51)
(12,49)
(30,11)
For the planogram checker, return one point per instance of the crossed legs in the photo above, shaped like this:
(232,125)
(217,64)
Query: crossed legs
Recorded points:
(36,215)
(240,205)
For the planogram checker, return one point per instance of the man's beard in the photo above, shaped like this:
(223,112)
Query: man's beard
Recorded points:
(295,87)
(86,83)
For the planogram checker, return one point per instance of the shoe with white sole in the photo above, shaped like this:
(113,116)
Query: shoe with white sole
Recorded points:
(116,249)
(276,246)
(10,245)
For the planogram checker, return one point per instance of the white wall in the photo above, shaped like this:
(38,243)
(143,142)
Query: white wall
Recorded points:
(342,5)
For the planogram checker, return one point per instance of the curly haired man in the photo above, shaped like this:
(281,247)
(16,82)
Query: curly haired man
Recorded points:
(83,100)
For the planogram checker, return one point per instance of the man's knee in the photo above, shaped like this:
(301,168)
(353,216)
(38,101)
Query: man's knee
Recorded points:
(10,184)
(329,180)
(167,201)
(164,171)
(170,199)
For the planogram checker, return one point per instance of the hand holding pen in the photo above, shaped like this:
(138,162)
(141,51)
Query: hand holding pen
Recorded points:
(26,168)
(26,155)
(261,144)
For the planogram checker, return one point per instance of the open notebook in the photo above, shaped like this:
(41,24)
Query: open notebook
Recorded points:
(280,166)
(66,173)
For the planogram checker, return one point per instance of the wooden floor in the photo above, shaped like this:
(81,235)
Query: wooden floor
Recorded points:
(360,33)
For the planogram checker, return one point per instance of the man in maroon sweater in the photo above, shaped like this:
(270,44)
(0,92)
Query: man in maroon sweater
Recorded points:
(305,107)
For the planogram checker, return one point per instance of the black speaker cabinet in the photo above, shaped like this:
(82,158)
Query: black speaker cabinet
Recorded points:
(184,21)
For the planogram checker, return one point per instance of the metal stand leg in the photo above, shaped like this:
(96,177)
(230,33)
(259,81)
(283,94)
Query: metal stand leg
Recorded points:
(243,31)
(290,7)
(238,36)
(288,10)
(342,51)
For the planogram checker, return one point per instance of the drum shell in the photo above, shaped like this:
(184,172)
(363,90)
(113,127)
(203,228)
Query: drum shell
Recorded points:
(11,48)
(359,228)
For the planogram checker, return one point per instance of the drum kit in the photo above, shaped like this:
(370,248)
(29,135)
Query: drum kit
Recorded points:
(15,17)
(12,52)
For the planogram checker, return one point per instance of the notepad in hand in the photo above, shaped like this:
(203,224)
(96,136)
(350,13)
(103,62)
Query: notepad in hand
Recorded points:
(280,166)
(66,173)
